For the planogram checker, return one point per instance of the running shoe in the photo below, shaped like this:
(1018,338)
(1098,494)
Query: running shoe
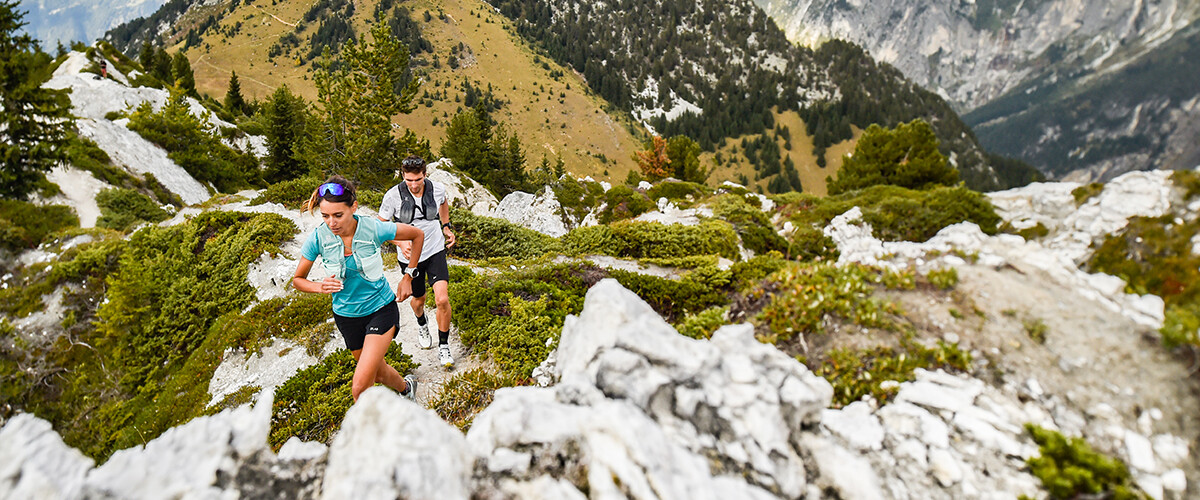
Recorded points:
(412,387)
(424,339)
(444,355)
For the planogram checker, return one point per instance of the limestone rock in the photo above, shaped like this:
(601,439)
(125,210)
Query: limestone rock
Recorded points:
(540,212)
(36,463)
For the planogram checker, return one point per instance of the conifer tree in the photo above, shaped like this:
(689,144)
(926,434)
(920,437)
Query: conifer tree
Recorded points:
(286,115)
(33,121)
(684,154)
(351,131)
(233,97)
(906,156)
(181,70)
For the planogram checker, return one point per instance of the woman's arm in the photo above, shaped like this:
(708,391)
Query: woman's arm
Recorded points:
(301,282)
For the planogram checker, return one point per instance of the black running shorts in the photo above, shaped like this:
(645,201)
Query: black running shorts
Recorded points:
(433,269)
(355,330)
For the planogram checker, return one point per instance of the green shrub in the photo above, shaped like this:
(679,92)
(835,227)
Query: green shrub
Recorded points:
(686,262)
(906,156)
(281,317)
(943,278)
(577,198)
(638,240)
(1086,192)
(698,290)
(518,341)
(677,191)
(121,209)
(1070,468)
(312,404)
(1032,233)
(1189,181)
(622,202)
(291,193)
(24,225)
(702,324)
(486,237)
(804,294)
(857,373)
(894,213)
(1154,255)
(752,272)
(754,227)
(466,394)
(198,151)
(1181,327)
(370,198)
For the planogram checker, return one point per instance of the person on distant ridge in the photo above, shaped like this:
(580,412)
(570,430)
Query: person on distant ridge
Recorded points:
(364,307)
(422,203)
(103,68)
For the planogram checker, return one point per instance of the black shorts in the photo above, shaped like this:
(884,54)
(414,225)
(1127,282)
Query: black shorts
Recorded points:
(355,330)
(433,269)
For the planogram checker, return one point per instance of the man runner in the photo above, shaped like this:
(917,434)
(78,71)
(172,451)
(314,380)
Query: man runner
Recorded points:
(422,203)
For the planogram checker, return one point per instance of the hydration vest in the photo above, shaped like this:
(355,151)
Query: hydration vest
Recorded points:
(408,205)
(363,248)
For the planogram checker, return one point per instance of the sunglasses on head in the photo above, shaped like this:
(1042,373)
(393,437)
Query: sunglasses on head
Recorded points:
(412,162)
(331,188)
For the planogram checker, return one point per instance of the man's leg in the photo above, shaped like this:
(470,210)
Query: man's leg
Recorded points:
(441,298)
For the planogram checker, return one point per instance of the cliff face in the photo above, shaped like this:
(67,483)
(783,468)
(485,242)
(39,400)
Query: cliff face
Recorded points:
(1024,73)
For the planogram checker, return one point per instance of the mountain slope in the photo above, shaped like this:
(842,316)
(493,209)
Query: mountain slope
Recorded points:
(64,21)
(1031,65)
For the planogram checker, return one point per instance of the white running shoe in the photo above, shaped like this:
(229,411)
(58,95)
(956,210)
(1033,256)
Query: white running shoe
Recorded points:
(424,339)
(444,355)
(412,387)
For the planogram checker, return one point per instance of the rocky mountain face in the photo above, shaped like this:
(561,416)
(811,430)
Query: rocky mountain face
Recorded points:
(1065,85)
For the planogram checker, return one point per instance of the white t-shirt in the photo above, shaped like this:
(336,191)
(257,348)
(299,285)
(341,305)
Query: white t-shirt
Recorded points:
(435,241)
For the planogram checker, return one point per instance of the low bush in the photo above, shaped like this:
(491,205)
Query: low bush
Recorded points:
(312,404)
(895,213)
(577,198)
(1070,468)
(623,202)
(24,225)
(702,324)
(677,191)
(754,227)
(753,272)
(1189,181)
(857,373)
(1086,192)
(291,193)
(121,209)
(486,237)
(638,240)
(1154,255)
(696,291)
(804,294)
(466,394)
(193,147)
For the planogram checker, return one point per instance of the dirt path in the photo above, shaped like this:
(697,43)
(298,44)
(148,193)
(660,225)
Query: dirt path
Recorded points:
(1093,358)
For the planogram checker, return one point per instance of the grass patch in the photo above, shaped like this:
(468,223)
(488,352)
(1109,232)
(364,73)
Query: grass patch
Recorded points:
(944,279)
(1086,192)
(702,324)
(802,295)
(1036,329)
(466,394)
(291,193)
(752,225)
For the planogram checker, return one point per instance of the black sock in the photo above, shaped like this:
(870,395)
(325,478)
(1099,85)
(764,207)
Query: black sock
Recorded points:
(421,320)
(443,337)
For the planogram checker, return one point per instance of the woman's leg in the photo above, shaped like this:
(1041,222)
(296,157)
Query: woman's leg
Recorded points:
(371,367)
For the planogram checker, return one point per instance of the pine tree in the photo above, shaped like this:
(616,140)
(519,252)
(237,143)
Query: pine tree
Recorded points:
(684,154)
(33,121)
(286,115)
(351,132)
(146,57)
(233,97)
(906,156)
(181,70)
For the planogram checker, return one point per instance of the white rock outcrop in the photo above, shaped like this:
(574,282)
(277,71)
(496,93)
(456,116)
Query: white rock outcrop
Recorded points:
(541,212)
